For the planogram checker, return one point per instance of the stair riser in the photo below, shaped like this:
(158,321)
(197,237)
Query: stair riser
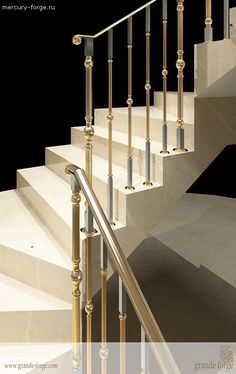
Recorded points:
(120,123)
(57,164)
(36,273)
(139,128)
(35,326)
(60,230)
(119,155)
(172,105)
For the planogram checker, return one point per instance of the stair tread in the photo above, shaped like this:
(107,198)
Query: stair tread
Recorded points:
(17,296)
(21,230)
(121,137)
(55,191)
(51,188)
(140,111)
(76,155)
(185,93)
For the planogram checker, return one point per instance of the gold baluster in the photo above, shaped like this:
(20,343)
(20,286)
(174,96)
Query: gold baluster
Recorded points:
(130,103)
(89,230)
(103,272)
(110,119)
(180,64)
(89,304)
(88,130)
(208,22)
(122,318)
(76,277)
(76,274)
(148,88)
(164,76)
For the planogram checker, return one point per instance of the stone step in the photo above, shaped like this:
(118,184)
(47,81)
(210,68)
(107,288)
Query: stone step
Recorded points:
(25,241)
(119,150)
(50,198)
(58,157)
(120,123)
(172,104)
(27,314)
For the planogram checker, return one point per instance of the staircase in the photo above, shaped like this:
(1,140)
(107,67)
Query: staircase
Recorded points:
(35,223)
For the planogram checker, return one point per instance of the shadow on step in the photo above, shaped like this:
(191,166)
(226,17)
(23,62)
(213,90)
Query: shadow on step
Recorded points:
(189,304)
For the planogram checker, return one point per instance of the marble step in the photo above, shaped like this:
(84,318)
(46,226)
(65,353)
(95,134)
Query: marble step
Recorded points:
(50,198)
(172,104)
(119,150)
(120,123)
(27,314)
(28,251)
(58,157)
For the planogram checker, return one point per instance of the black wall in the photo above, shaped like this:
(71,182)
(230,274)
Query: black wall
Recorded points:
(42,78)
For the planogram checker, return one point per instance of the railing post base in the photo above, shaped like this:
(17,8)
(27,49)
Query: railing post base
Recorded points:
(110,199)
(164,139)
(129,174)
(180,140)
(226,20)
(147,163)
(208,34)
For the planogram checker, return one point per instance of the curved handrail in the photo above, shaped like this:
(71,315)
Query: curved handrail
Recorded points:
(78,38)
(144,313)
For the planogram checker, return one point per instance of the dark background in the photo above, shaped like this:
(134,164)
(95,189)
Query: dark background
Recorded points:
(42,76)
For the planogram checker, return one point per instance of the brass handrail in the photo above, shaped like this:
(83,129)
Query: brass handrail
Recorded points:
(78,38)
(144,313)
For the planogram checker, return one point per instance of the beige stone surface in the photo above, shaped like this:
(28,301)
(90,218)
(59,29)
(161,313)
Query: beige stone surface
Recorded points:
(119,151)
(201,228)
(188,98)
(120,122)
(44,218)
(28,314)
(28,251)
(208,72)
(49,196)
